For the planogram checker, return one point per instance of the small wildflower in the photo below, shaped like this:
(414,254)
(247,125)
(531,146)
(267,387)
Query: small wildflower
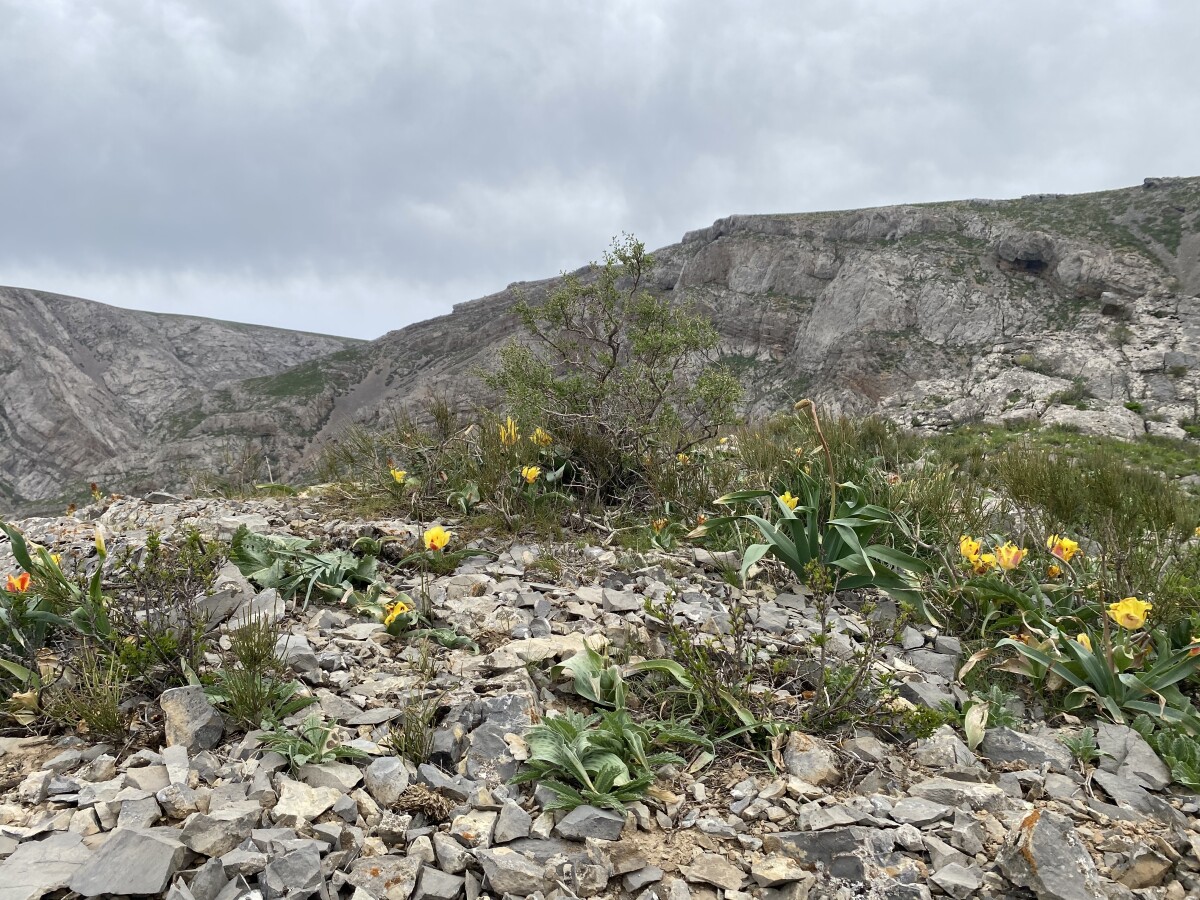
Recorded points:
(1009,556)
(788,500)
(541,437)
(701,519)
(798,451)
(723,441)
(1130,613)
(436,538)
(508,433)
(658,525)
(396,610)
(682,458)
(1084,641)
(1053,571)
(398,475)
(17,584)
(1063,548)
(530,474)
(893,478)
(982,564)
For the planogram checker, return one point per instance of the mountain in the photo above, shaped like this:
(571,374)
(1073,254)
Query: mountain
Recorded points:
(1081,310)
(90,392)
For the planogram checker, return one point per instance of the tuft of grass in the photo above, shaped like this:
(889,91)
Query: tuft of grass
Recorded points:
(92,703)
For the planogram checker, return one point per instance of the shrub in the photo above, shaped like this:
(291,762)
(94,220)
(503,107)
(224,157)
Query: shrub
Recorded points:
(614,372)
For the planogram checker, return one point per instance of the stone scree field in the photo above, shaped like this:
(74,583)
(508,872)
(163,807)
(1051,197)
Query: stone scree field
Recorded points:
(186,811)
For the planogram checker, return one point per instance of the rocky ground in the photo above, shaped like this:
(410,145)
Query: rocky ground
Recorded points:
(187,811)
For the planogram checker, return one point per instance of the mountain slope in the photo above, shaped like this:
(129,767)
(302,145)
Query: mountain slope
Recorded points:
(93,392)
(1064,308)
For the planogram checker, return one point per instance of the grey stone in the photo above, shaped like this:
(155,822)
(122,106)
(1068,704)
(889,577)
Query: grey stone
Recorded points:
(341,777)
(36,868)
(131,862)
(640,878)
(298,803)
(1125,753)
(296,874)
(178,801)
(139,813)
(925,693)
(296,652)
(451,856)
(474,829)
(386,779)
(1003,745)
(435,885)
(209,880)
(217,833)
(854,850)
(931,662)
(919,812)
(509,872)
(710,868)
(148,778)
(266,605)
(962,793)
(958,881)
(511,824)
(774,870)
(1044,853)
(589,822)
(243,863)
(189,719)
(811,760)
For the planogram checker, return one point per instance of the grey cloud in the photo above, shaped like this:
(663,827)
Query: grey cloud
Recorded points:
(290,162)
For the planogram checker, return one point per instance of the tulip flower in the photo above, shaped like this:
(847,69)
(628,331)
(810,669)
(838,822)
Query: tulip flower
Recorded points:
(436,538)
(508,433)
(1195,651)
(1063,548)
(1129,613)
(398,475)
(1009,556)
(530,474)
(682,458)
(396,610)
(983,563)
(658,525)
(1083,640)
(541,437)
(969,547)
(1053,571)
(17,584)
(788,500)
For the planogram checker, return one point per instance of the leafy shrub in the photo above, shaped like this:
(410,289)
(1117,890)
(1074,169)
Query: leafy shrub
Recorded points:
(614,372)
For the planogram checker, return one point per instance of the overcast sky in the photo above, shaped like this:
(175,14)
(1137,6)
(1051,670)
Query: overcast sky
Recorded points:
(351,166)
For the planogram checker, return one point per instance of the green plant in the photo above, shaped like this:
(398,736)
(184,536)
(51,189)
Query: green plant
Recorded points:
(411,733)
(614,372)
(91,701)
(256,699)
(1083,746)
(1134,406)
(1178,749)
(285,563)
(314,742)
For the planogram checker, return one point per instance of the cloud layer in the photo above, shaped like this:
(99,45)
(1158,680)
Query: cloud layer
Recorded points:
(354,166)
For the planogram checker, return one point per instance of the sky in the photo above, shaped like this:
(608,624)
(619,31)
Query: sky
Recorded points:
(352,166)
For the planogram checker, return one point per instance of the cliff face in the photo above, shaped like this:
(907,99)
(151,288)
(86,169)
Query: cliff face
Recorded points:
(1076,309)
(92,392)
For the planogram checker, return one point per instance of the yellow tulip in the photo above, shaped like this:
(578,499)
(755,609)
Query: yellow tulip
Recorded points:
(1195,651)
(682,458)
(658,525)
(397,609)
(1053,571)
(1063,548)
(983,564)
(100,547)
(541,437)
(1130,613)
(436,538)
(1084,641)
(788,500)
(508,433)
(399,475)
(968,546)
(530,474)
(1009,556)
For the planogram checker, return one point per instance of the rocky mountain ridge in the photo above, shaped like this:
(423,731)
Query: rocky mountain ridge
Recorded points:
(1081,310)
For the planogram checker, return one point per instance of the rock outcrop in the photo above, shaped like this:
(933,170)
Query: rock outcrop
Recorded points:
(1076,310)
